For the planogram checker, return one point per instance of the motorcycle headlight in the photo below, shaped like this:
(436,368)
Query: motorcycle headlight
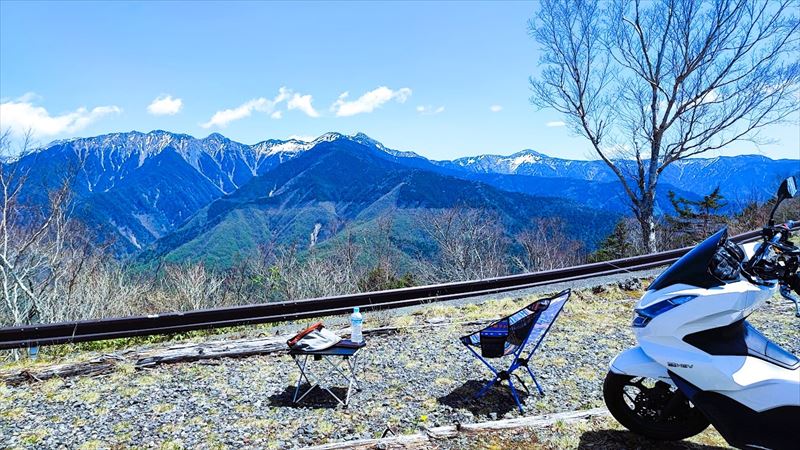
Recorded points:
(645,315)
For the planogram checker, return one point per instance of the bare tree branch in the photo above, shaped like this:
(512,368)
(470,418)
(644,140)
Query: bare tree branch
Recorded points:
(674,79)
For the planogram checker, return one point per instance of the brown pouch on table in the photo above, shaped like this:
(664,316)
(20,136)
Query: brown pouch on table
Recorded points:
(291,342)
(314,338)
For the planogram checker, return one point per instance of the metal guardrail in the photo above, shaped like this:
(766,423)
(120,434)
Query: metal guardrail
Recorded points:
(101,329)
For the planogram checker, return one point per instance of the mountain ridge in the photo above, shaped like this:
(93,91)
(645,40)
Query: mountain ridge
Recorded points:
(293,143)
(138,187)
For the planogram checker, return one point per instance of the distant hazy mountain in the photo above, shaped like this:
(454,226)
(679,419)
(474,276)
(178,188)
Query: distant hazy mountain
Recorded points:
(741,178)
(135,188)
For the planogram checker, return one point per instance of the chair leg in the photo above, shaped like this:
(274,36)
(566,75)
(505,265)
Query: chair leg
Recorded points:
(485,388)
(514,394)
(541,392)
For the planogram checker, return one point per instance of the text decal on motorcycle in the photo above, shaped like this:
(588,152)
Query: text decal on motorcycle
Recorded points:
(681,365)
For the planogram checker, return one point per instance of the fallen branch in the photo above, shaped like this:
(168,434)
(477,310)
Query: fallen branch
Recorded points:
(92,367)
(424,440)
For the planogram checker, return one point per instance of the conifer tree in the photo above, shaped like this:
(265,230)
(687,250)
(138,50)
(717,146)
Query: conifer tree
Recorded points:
(615,246)
(696,219)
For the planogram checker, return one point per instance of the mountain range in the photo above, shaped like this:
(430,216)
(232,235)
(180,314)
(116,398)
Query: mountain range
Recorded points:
(163,194)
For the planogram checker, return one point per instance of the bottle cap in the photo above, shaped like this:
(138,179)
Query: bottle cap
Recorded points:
(355,310)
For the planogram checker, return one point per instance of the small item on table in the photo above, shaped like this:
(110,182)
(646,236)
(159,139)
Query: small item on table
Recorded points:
(356,323)
(314,338)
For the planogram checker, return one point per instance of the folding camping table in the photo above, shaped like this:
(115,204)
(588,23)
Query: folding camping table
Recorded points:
(340,361)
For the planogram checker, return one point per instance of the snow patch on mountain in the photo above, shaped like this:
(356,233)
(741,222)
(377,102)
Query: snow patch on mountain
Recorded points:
(276,147)
(527,158)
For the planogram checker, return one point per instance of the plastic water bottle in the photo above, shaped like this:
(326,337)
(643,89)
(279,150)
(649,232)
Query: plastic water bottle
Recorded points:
(356,322)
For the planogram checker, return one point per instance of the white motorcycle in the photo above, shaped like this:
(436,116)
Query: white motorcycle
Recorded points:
(699,361)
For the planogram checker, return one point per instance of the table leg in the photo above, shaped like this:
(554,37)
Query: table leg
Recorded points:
(354,371)
(328,375)
(348,373)
(303,376)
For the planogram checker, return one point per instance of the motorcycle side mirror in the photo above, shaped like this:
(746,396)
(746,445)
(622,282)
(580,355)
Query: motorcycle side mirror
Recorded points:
(787,189)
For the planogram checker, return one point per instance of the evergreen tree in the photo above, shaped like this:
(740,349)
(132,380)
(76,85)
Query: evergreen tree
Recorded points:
(615,246)
(696,219)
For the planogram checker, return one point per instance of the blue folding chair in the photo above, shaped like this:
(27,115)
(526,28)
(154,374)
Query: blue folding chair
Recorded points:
(510,335)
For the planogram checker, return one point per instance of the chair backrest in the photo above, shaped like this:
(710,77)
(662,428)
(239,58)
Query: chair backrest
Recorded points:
(528,325)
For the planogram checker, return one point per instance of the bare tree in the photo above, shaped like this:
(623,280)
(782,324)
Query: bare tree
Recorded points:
(193,285)
(309,275)
(51,269)
(471,243)
(546,246)
(754,215)
(104,288)
(43,251)
(349,252)
(651,84)
(382,272)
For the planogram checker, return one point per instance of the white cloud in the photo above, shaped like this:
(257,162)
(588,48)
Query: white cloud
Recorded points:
(556,123)
(29,97)
(21,115)
(428,110)
(294,101)
(303,103)
(223,118)
(283,94)
(495,108)
(369,101)
(165,105)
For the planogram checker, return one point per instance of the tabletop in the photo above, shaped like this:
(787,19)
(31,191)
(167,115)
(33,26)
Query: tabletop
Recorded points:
(343,348)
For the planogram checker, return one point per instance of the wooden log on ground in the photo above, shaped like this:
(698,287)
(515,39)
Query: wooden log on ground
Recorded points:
(213,350)
(424,440)
(97,366)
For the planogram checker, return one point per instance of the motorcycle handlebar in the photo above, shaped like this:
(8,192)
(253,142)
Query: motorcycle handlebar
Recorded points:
(776,233)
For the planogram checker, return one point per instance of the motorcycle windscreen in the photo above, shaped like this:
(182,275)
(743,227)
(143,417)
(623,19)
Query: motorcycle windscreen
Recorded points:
(693,267)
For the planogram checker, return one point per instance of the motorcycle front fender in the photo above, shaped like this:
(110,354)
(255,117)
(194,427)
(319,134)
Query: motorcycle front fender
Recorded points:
(635,362)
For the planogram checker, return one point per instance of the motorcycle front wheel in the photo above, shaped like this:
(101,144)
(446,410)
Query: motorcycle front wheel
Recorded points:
(652,408)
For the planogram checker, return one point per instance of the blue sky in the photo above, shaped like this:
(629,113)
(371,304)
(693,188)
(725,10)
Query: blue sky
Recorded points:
(445,80)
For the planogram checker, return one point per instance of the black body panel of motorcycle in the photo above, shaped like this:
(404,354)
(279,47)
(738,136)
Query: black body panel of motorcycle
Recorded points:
(692,268)
(741,339)
(741,426)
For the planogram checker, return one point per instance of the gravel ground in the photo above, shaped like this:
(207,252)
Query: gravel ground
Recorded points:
(412,379)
